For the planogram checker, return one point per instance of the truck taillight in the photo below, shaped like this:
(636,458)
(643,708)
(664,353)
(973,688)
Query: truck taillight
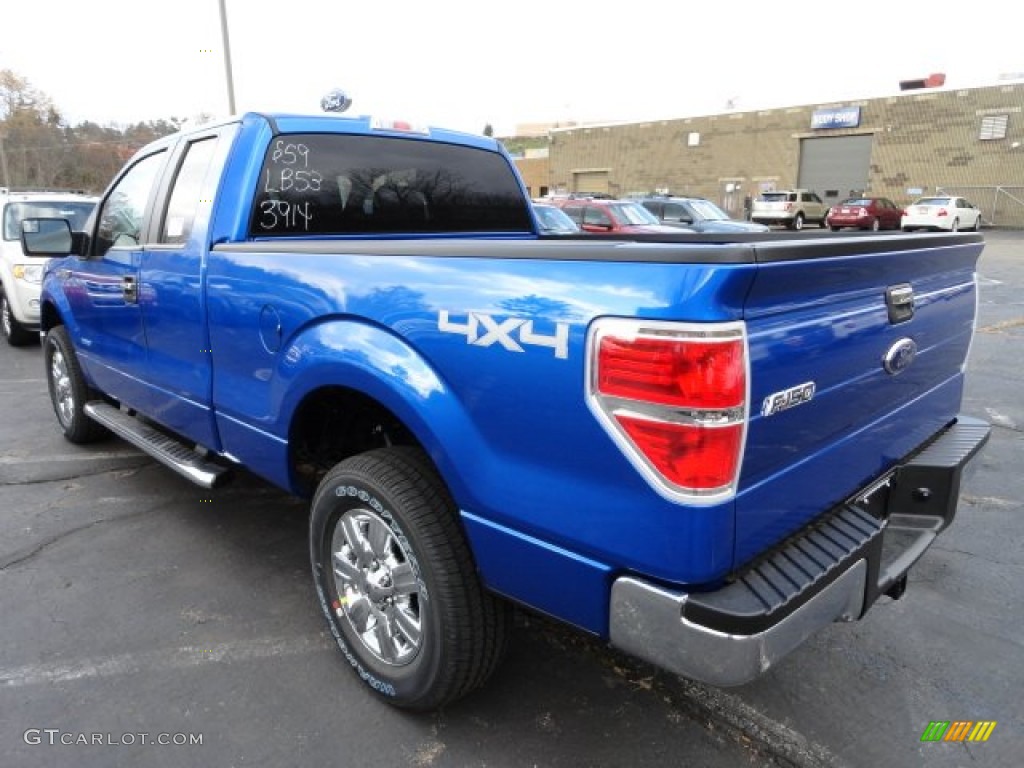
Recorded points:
(673,396)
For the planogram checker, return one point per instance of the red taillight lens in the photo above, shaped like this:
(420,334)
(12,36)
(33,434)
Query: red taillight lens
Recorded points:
(690,456)
(673,396)
(686,374)
(942,212)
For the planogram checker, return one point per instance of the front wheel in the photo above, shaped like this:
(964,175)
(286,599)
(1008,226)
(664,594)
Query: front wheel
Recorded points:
(69,391)
(15,333)
(397,582)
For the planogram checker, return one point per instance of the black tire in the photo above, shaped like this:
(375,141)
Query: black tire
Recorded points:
(834,229)
(14,332)
(955,226)
(381,519)
(798,222)
(908,229)
(69,391)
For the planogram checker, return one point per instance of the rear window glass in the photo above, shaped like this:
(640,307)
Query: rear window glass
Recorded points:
(857,201)
(933,201)
(326,184)
(778,197)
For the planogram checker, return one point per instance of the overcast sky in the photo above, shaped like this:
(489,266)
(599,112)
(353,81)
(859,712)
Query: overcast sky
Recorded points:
(465,63)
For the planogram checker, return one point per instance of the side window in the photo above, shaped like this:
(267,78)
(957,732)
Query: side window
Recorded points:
(676,212)
(121,217)
(595,217)
(814,197)
(574,212)
(188,186)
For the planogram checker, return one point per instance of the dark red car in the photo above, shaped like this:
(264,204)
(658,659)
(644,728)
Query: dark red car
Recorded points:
(873,213)
(613,216)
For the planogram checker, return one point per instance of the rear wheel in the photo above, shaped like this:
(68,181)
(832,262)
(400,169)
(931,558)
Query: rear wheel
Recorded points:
(835,229)
(397,582)
(875,225)
(955,226)
(798,222)
(69,391)
(16,334)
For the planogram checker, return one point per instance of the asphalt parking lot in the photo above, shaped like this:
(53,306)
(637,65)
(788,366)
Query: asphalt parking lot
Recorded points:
(136,607)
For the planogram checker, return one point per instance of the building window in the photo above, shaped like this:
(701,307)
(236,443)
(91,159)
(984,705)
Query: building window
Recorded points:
(993,127)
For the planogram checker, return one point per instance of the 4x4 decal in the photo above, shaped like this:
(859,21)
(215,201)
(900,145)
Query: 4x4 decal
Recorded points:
(512,333)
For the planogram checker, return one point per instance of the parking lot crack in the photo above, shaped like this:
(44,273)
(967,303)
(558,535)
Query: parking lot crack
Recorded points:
(28,553)
(75,476)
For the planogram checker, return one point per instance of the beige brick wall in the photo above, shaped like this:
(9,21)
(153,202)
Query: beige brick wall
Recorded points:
(924,140)
(536,172)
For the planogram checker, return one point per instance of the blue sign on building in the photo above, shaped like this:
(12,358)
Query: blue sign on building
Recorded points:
(841,117)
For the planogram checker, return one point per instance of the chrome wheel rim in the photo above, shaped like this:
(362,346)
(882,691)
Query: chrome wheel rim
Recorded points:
(63,397)
(378,590)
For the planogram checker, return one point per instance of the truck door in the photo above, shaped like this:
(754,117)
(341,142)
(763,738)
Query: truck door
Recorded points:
(103,289)
(178,374)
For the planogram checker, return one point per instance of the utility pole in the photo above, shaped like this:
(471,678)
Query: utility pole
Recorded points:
(227,57)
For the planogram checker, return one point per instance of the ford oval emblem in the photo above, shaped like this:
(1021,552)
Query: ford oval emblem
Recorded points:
(899,356)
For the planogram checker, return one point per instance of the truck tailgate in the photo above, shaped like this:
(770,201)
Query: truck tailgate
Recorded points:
(856,360)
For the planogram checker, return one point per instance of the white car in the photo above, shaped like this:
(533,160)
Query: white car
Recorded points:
(950,213)
(21,276)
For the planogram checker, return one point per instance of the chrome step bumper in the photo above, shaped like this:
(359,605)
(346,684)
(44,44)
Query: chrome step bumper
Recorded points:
(832,571)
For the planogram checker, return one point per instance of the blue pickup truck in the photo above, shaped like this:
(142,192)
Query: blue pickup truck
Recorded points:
(701,448)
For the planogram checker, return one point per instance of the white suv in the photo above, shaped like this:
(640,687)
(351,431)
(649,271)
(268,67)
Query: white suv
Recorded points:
(20,275)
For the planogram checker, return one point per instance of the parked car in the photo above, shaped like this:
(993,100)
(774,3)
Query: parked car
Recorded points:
(950,213)
(613,216)
(789,207)
(697,214)
(21,275)
(552,220)
(872,213)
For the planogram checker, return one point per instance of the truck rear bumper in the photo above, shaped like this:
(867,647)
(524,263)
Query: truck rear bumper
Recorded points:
(833,570)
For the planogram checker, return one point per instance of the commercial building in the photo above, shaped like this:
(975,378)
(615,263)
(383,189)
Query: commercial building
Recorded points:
(968,142)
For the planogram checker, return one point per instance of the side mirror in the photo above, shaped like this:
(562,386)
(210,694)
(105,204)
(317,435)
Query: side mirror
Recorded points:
(50,238)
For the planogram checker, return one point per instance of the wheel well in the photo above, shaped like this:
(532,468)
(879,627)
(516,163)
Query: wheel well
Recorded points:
(48,317)
(334,423)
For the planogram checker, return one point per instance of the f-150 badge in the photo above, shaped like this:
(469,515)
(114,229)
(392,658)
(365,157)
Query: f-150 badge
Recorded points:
(482,330)
(788,398)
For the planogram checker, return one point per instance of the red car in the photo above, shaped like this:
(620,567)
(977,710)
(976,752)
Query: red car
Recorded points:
(613,216)
(873,213)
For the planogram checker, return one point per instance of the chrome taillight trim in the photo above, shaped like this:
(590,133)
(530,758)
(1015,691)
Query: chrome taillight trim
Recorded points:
(605,408)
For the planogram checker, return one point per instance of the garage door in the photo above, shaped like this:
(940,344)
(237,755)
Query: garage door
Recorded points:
(590,182)
(836,166)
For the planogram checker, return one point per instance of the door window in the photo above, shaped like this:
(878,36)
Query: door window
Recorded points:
(123,212)
(187,191)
